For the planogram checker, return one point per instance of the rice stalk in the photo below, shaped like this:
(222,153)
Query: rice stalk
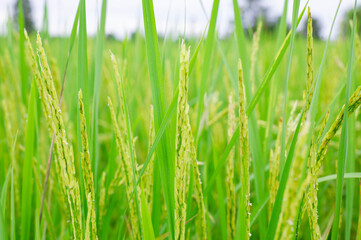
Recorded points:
(358,234)
(286,225)
(126,166)
(89,217)
(311,197)
(8,123)
(358,49)
(101,205)
(255,47)
(53,115)
(244,210)
(87,172)
(311,200)
(353,103)
(274,169)
(291,231)
(201,222)
(308,94)
(182,159)
(148,175)
(230,188)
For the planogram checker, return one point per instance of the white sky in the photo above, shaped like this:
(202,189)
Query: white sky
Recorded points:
(124,16)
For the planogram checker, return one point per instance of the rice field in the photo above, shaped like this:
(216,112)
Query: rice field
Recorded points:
(253,136)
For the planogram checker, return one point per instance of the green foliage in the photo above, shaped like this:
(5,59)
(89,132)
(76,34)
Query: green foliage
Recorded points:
(209,162)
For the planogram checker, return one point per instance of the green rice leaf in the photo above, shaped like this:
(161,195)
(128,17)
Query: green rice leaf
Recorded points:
(27,179)
(23,70)
(165,166)
(271,231)
(344,141)
(211,36)
(148,232)
(94,141)
(273,67)
(334,177)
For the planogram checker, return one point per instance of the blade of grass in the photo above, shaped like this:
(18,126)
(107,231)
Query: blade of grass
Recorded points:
(27,180)
(315,98)
(82,57)
(332,177)
(4,192)
(296,4)
(83,84)
(94,141)
(256,212)
(12,206)
(358,233)
(271,231)
(274,89)
(287,165)
(45,26)
(3,228)
(273,67)
(211,36)
(165,120)
(344,145)
(350,167)
(148,232)
(231,75)
(222,161)
(221,204)
(130,145)
(165,166)
(255,143)
(23,74)
(195,54)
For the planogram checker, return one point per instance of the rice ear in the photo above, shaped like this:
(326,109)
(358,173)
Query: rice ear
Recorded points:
(244,218)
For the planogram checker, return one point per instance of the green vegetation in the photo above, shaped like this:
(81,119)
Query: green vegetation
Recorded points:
(255,136)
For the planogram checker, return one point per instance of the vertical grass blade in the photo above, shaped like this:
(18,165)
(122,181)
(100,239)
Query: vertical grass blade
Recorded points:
(244,216)
(350,183)
(12,206)
(83,58)
(274,89)
(230,188)
(82,84)
(3,229)
(131,149)
(344,144)
(147,226)
(94,144)
(27,182)
(315,98)
(163,157)
(272,227)
(358,234)
(3,196)
(87,173)
(23,76)
(45,26)
(272,68)
(296,4)
(255,143)
(211,36)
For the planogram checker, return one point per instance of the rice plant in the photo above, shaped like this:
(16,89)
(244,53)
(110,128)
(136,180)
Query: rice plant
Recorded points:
(252,136)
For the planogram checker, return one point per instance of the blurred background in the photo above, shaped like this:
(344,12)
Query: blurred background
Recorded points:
(173,17)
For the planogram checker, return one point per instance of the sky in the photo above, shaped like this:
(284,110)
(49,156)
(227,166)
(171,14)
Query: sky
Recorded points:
(173,17)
